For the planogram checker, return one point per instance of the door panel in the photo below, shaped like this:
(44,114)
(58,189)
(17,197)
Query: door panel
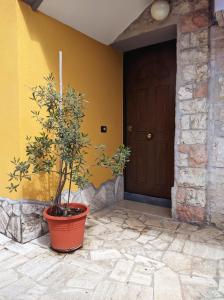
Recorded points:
(150,79)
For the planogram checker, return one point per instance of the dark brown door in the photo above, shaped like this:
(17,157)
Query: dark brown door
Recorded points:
(150,79)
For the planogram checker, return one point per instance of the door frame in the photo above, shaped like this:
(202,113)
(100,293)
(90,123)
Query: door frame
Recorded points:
(133,196)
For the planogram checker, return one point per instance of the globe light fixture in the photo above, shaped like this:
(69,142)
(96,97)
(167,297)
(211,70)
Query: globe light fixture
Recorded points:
(160,10)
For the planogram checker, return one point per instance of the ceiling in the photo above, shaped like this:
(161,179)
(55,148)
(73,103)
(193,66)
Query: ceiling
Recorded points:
(102,20)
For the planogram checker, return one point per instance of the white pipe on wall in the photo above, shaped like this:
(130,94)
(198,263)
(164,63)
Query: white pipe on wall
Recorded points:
(60,78)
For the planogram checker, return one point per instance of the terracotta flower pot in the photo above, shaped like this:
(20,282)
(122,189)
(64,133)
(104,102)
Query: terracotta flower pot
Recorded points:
(67,233)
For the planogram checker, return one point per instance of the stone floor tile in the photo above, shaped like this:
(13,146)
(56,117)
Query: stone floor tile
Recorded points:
(195,280)
(129,234)
(192,292)
(221,268)
(97,230)
(177,262)
(43,241)
(167,237)
(117,220)
(101,267)
(221,285)
(154,254)
(167,285)
(108,290)
(178,243)
(69,294)
(143,239)
(122,270)
(105,254)
(13,262)
(151,264)
(159,244)
(187,228)
(23,289)
(84,279)
(141,275)
(205,234)
(5,254)
(170,225)
(4,239)
(78,254)
(38,265)
(92,244)
(138,250)
(134,223)
(204,267)
(29,249)
(154,221)
(203,250)
(7,277)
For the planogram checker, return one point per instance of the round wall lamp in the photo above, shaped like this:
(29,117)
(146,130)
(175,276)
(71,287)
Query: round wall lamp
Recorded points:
(160,10)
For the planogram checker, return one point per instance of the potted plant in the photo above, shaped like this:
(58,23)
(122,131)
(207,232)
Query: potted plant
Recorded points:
(60,148)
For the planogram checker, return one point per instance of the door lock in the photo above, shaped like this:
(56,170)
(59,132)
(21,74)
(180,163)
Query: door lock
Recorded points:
(149,136)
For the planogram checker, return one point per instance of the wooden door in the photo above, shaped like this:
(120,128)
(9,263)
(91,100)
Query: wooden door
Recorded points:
(150,79)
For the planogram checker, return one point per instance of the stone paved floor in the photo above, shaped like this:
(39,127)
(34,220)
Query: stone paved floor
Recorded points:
(127,255)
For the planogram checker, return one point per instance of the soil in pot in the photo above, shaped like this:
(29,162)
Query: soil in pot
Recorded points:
(67,232)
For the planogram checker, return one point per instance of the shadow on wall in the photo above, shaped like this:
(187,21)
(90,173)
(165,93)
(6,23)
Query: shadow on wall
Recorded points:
(88,65)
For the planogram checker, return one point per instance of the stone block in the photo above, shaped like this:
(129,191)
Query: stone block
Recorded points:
(191,196)
(201,4)
(185,122)
(218,152)
(182,160)
(185,40)
(182,7)
(87,195)
(198,121)
(192,177)
(119,188)
(221,87)
(189,73)
(201,90)
(194,22)
(201,72)
(198,156)
(185,92)
(190,214)
(31,226)
(191,137)
(193,106)
(194,56)
(14,228)
(199,38)
(4,219)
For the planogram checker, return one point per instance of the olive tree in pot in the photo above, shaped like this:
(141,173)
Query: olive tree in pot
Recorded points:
(60,149)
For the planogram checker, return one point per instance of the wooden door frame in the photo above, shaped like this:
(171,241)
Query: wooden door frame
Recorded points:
(132,196)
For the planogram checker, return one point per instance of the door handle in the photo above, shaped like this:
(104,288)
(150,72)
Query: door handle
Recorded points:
(149,136)
(130,127)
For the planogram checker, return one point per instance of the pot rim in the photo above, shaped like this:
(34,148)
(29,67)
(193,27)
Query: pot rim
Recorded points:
(58,218)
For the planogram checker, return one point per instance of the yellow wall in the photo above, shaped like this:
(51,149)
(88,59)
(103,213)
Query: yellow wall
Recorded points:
(89,66)
(9,90)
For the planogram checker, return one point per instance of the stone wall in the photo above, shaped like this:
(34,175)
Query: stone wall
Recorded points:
(23,220)
(191,17)
(216,128)
(107,194)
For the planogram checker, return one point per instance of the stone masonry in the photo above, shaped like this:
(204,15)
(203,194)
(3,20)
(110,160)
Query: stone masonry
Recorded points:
(216,128)
(23,220)
(128,253)
(198,190)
